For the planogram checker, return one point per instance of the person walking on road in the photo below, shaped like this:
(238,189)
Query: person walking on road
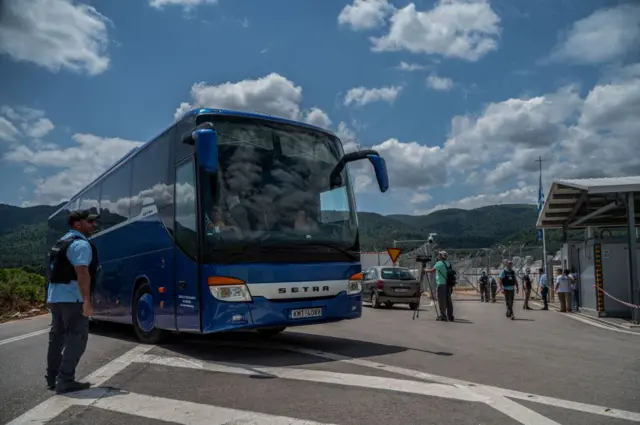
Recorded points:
(564,290)
(544,289)
(526,289)
(443,271)
(494,288)
(484,287)
(73,263)
(509,286)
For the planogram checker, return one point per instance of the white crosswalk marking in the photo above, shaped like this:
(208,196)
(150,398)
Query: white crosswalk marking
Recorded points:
(186,412)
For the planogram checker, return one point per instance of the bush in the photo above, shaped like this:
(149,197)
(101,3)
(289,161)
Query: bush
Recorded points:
(20,290)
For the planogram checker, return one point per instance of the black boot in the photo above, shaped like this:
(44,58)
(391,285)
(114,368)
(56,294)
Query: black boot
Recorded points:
(68,387)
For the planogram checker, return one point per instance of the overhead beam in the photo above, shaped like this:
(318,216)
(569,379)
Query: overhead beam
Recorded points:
(567,196)
(599,211)
(577,207)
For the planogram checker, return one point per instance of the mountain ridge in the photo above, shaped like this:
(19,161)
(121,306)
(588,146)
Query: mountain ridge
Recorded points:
(23,230)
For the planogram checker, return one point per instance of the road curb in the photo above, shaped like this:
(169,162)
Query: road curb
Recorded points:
(594,320)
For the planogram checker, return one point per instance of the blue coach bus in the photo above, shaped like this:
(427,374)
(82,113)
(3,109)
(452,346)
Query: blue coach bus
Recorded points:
(227,220)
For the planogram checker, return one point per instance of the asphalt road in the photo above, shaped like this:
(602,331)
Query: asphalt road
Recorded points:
(385,368)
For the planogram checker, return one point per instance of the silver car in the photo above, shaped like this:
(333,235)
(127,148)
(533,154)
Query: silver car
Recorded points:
(391,285)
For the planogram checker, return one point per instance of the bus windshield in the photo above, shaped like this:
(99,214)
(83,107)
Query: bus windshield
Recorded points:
(272,188)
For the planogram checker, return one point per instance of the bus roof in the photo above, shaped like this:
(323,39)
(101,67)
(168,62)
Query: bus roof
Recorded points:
(199,111)
(191,113)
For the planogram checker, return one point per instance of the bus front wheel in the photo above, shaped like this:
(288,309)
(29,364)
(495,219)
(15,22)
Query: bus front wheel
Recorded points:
(144,320)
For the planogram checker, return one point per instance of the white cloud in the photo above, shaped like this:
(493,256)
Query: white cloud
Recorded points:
(40,128)
(464,29)
(410,67)
(76,166)
(439,83)
(362,95)
(272,94)
(8,132)
(55,34)
(594,136)
(603,36)
(32,123)
(365,14)
(520,195)
(187,5)
(530,123)
(318,117)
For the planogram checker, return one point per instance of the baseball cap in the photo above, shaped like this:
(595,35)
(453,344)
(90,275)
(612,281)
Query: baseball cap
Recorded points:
(81,215)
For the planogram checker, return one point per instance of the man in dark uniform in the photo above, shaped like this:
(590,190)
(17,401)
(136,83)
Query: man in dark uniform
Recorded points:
(526,289)
(509,286)
(484,287)
(72,267)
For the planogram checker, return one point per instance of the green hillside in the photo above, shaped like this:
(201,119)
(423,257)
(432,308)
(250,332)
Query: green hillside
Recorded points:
(23,230)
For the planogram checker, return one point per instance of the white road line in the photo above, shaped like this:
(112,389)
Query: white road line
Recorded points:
(579,318)
(514,410)
(551,401)
(52,407)
(188,413)
(346,379)
(25,336)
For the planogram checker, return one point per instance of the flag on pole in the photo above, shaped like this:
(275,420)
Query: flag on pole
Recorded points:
(540,205)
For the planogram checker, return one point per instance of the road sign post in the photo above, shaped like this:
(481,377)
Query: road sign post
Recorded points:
(394,253)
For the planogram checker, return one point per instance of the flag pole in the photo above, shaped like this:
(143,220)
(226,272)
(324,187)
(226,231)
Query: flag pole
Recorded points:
(541,232)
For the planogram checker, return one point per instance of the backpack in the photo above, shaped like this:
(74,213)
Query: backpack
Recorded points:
(451,275)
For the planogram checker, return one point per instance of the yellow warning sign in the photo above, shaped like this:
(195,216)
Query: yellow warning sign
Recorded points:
(394,253)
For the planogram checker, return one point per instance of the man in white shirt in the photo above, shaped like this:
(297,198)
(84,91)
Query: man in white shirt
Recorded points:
(564,291)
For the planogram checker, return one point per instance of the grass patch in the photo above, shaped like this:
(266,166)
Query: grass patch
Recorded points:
(21,294)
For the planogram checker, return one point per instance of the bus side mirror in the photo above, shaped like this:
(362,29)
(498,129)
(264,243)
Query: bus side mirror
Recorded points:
(379,166)
(206,141)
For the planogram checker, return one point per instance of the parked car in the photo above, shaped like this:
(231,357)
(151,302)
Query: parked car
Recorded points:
(391,285)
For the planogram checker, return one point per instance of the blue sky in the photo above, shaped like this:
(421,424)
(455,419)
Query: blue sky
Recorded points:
(460,96)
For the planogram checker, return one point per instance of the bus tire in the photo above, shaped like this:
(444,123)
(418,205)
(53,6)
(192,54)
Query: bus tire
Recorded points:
(144,317)
(271,331)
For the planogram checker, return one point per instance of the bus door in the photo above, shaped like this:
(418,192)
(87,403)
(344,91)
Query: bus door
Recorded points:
(186,238)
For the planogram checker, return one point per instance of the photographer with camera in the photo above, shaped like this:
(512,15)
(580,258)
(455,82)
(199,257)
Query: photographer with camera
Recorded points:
(445,278)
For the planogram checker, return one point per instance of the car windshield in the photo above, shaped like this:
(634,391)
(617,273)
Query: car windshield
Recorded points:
(272,187)
(396,273)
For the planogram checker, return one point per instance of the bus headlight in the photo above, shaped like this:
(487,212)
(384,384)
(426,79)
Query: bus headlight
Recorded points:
(228,289)
(354,286)
(232,293)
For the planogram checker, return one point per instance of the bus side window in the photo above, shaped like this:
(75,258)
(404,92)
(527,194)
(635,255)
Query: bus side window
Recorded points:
(186,208)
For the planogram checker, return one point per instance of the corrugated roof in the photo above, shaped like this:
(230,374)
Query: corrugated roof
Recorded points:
(605,184)
(571,203)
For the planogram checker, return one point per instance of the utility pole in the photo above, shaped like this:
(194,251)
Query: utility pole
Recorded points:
(541,232)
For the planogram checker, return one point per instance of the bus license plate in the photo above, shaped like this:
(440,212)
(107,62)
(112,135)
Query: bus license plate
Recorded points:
(306,313)
(402,290)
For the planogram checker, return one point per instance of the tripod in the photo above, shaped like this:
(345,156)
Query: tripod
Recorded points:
(423,260)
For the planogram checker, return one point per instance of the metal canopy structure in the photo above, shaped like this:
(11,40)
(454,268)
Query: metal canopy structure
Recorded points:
(582,203)
(602,202)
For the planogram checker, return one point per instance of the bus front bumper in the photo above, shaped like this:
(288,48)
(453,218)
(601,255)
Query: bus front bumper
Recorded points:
(261,312)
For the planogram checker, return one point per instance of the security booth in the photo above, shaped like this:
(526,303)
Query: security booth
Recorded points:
(606,260)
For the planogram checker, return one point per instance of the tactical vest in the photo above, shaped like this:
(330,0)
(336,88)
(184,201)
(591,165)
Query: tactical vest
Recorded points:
(484,279)
(60,268)
(509,278)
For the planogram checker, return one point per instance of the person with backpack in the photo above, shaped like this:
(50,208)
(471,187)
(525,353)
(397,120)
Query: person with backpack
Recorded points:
(445,281)
(509,286)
